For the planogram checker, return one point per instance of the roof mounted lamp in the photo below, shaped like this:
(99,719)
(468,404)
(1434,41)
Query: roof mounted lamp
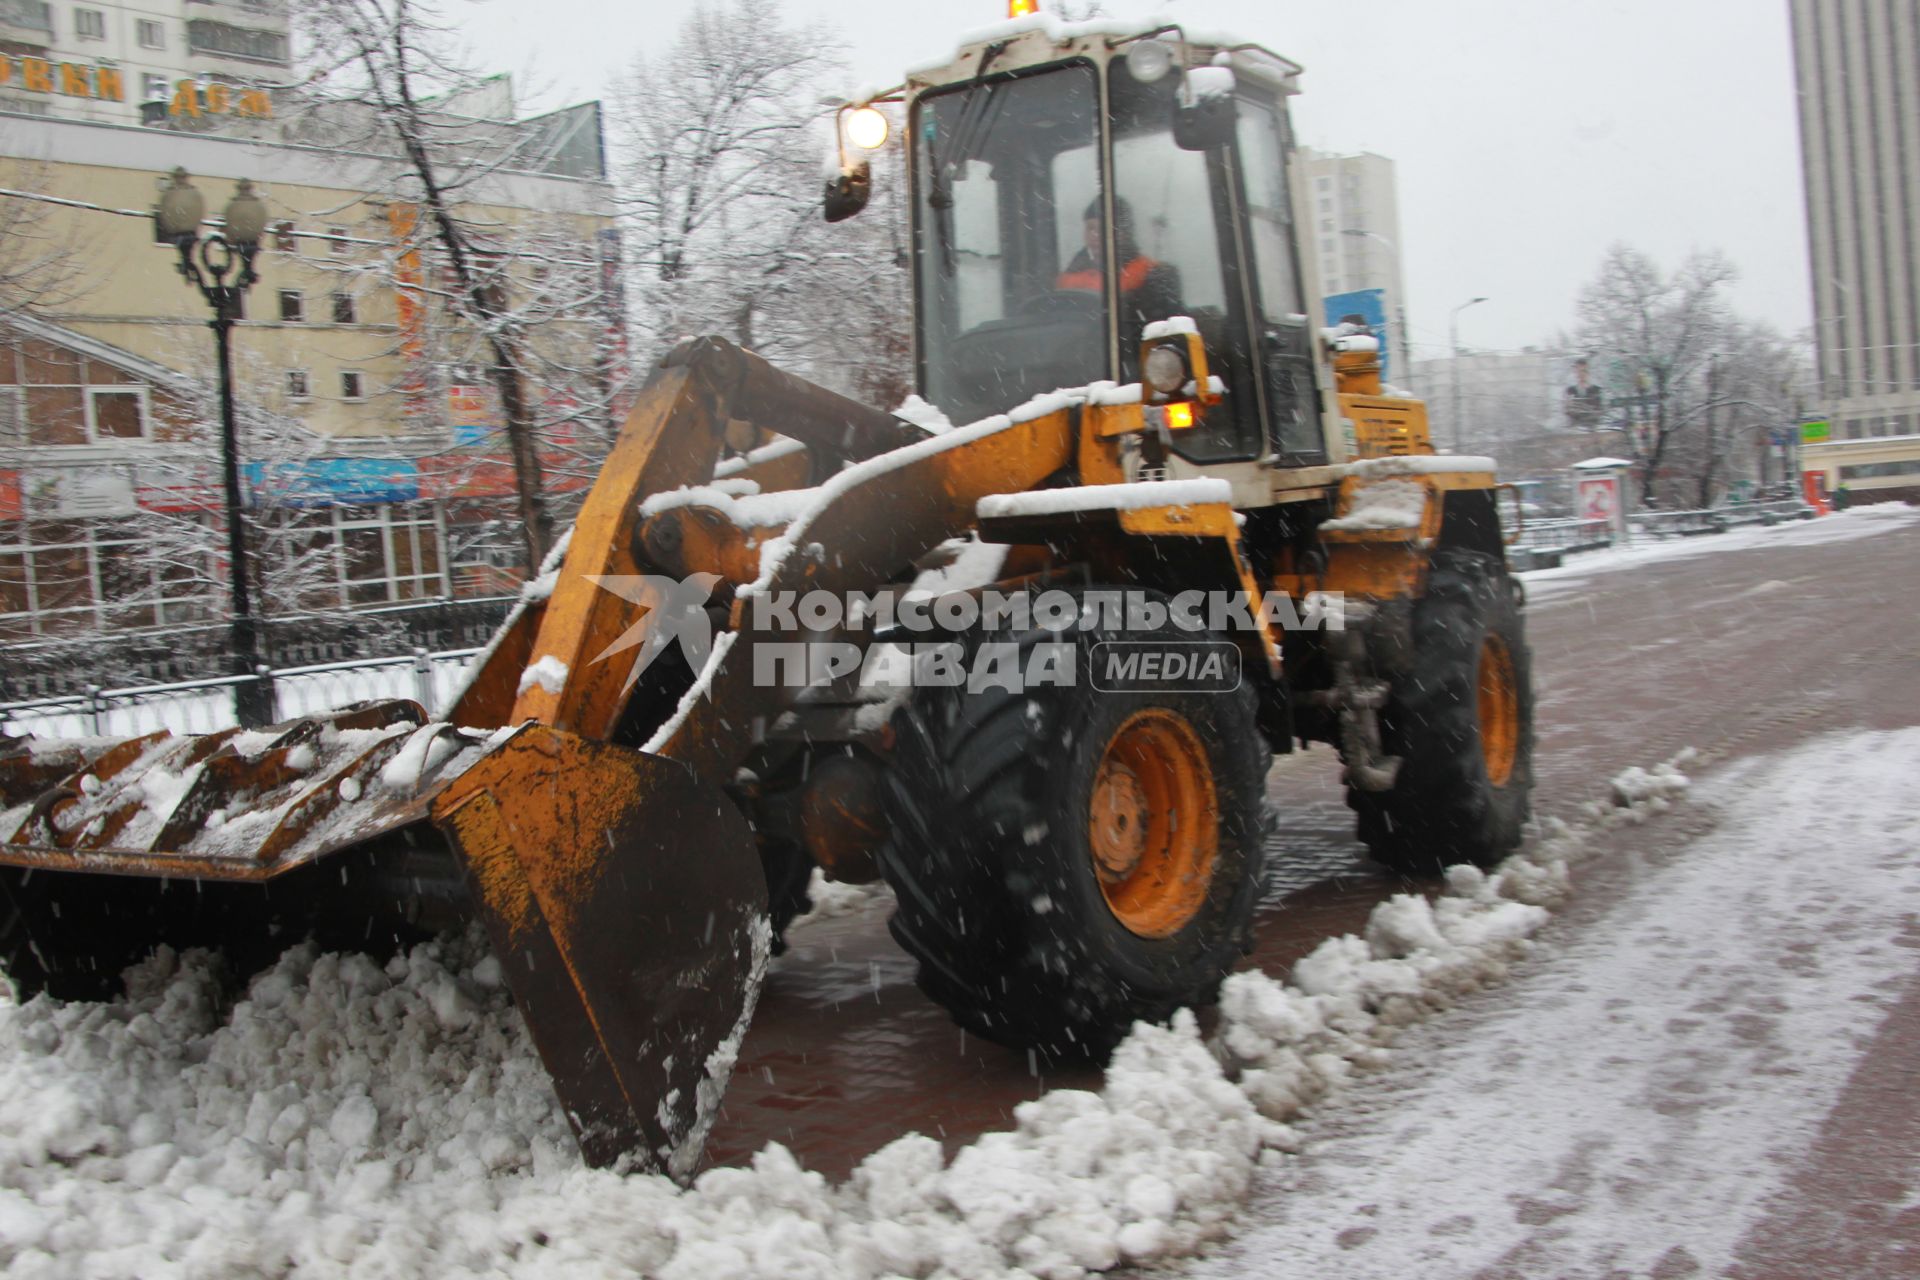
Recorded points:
(1148,61)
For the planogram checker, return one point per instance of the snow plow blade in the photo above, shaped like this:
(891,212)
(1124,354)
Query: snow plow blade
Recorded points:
(626,903)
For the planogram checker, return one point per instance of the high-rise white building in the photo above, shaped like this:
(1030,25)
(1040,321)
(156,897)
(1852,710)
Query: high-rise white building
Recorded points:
(124,63)
(1858,70)
(1354,227)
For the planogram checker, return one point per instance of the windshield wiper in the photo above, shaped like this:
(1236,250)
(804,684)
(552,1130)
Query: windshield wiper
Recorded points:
(968,132)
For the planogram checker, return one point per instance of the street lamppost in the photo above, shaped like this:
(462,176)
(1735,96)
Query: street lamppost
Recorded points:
(1399,304)
(1453,346)
(207,261)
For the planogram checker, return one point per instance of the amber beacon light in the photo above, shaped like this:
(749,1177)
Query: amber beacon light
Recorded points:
(1022,8)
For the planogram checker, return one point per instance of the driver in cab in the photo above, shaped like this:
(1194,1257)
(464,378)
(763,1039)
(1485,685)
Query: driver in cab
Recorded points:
(1149,290)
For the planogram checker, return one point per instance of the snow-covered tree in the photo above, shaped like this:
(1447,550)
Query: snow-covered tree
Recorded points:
(40,266)
(383,78)
(718,144)
(1654,335)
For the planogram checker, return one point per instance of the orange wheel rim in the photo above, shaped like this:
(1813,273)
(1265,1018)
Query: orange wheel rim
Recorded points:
(1499,711)
(1154,823)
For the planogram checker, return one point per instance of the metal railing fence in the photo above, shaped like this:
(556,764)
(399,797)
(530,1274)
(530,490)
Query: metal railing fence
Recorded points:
(203,706)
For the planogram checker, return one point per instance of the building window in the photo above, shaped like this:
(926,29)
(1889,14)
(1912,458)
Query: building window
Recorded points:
(336,239)
(154,88)
(152,34)
(343,308)
(351,387)
(298,387)
(1880,470)
(283,238)
(89,24)
(363,555)
(63,577)
(119,413)
(293,307)
(52,396)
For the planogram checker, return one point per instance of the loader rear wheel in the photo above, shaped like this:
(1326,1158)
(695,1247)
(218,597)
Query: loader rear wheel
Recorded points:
(1461,719)
(1068,861)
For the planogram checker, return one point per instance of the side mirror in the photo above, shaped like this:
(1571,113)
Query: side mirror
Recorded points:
(1205,124)
(847,194)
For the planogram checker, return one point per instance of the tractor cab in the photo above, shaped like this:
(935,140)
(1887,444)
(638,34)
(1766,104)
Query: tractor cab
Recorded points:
(1073,185)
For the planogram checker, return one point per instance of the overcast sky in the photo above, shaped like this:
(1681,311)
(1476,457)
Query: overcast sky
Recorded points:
(1528,134)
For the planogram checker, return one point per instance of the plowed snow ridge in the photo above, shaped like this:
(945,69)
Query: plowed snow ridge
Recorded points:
(350,1119)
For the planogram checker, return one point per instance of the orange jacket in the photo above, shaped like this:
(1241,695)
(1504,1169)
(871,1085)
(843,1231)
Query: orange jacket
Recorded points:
(1132,276)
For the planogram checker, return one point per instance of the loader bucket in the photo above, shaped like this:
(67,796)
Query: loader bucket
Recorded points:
(626,902)
(623,896)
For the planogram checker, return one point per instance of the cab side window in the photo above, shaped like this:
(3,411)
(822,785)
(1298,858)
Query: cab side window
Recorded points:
(1284,337)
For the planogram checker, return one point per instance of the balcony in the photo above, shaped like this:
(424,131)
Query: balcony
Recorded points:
(29,21)
(246,44)
(274,10)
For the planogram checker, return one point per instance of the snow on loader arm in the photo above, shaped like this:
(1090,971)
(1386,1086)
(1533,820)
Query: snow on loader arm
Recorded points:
(576,800)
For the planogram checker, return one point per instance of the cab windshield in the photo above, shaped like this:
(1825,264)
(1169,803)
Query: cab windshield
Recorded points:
(1011,262)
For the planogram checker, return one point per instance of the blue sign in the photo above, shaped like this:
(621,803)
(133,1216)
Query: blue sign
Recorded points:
(1371,306)
(334,482)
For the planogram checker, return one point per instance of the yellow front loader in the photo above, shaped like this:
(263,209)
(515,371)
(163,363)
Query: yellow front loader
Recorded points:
(1104,609)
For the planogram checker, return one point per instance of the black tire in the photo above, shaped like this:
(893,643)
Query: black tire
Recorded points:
(1444,808)
(990,855)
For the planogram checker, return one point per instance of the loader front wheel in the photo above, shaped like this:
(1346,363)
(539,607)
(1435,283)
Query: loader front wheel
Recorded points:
(1068,861)
(1461,720)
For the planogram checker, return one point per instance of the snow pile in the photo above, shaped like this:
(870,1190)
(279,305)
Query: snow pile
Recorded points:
(832,899)
(1292,1045)
(347,1118)
(1642,792)
(165,1134)
(1385,504)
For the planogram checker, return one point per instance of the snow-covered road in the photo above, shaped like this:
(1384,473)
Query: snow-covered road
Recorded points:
(1638,1104)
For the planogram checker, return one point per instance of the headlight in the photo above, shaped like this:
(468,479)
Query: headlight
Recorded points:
(1166,370)
(867,129)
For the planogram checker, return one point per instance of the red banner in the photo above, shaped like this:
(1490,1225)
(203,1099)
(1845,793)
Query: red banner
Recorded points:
(461,475)
(409,306)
